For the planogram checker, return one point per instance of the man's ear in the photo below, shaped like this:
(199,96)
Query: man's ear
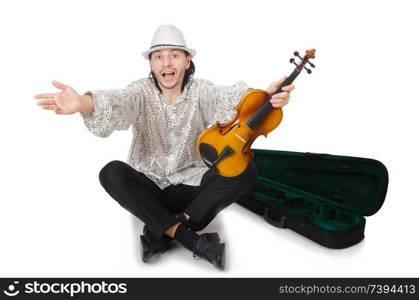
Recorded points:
(188,58)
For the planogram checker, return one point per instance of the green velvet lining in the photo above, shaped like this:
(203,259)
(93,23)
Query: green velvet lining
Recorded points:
(304,206)
(356,184)
(333,192)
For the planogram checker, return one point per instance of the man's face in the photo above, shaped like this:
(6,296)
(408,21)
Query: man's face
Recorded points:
(169,65)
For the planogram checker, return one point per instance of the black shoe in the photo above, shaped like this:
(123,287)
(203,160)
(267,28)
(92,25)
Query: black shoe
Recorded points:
(152,246)
(211,237)
(211,250)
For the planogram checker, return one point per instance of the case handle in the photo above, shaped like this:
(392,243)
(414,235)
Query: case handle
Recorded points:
(281,223)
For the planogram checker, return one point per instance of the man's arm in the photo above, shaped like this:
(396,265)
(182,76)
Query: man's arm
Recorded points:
(66,102)
(86,104)
(218,102)
(103,111)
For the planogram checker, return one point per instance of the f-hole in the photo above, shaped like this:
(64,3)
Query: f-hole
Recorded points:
(231,128)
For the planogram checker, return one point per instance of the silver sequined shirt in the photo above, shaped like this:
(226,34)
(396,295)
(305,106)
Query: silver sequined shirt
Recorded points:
(164,135)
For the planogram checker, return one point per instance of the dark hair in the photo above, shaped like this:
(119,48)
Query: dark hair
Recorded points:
(188,74)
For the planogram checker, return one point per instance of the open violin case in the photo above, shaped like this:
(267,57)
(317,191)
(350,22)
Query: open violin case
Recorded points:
(320,196)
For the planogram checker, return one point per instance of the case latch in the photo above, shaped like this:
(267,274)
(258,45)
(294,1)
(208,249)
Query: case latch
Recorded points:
(275,219)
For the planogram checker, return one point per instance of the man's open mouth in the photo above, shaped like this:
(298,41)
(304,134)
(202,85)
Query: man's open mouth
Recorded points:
(168,74)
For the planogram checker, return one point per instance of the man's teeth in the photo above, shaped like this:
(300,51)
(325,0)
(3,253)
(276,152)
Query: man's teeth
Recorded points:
(168,73)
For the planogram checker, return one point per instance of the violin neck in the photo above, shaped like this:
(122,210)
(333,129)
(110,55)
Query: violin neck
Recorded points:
(290,79)
(262,112)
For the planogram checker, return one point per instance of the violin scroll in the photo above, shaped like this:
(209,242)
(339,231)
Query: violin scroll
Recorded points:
(304,60)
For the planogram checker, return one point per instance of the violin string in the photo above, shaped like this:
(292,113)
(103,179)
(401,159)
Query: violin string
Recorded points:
(267,106)
(260,115)
(256,119)
(264,111)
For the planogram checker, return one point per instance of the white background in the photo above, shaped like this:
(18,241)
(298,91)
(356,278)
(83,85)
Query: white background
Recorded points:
(361,100)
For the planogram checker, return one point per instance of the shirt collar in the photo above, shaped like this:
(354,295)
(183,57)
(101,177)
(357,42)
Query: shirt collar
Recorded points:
(180,98)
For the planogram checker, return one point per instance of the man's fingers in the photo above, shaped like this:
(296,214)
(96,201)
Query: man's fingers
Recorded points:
(280,81)
(44,96)
(288,88)
(49,107)
(46,102)
(279,103)
(281,95)
(59,85)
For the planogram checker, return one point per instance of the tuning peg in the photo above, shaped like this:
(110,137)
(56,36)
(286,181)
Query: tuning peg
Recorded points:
(292,60)
(297,54)
(308,70)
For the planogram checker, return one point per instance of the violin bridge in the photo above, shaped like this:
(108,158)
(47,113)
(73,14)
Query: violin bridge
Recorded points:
(240,138)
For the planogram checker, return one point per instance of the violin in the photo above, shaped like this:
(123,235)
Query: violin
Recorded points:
(226,148)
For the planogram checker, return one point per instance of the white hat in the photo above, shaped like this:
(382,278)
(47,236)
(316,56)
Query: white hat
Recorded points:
(168,37)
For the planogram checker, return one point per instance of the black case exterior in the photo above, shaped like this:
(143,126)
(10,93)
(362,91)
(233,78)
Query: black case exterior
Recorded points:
(347,188)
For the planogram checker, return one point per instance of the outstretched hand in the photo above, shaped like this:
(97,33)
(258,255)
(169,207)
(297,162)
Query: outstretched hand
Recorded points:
(65,102)
(281,99)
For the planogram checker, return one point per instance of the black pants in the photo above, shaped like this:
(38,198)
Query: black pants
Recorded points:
(156,207)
